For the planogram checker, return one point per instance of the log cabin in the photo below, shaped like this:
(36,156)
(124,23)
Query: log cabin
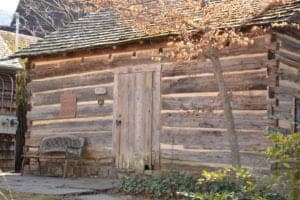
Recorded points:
(98,78)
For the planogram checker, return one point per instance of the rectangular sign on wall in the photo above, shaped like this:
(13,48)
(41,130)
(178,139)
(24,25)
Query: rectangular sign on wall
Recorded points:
(68,105)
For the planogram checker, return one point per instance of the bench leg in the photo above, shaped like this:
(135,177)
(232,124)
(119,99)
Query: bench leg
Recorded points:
(40,169)
(66,168)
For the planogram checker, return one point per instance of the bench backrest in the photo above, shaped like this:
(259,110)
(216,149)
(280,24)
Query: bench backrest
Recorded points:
(59,144)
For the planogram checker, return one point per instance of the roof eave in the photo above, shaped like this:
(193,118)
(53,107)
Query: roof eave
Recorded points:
(130,41)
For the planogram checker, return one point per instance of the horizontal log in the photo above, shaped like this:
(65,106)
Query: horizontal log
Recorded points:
(237,63)
(194,167)
(284,111)
(213,139)
(69,126)
(246,120)
(190,167)
(82,94)
(289,84)
(288,73)
(83,110)
(294,57)
(287,90)
(278,129)
(240,101)
(85,64)
(287,61)
(253,80)
(213,157)
(98,146)
(289,43)
(281,96)
(85,79)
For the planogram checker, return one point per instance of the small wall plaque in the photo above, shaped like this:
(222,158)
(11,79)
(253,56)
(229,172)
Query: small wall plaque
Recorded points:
(100,91)
(68,105)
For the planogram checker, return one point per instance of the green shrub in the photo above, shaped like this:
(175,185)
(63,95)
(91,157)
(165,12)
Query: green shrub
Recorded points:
(225,180)
(224,184)
(232,184)
(165,185)
(285,153)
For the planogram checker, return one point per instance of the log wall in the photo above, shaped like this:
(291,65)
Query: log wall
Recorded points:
(92,120)
(287,90)
(192,132)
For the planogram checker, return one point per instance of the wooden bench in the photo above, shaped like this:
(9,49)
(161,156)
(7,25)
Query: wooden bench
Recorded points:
(67,147)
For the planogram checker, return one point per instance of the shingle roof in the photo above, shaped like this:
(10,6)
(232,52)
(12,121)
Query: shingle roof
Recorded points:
(6,52)
(104,29)
(278,14)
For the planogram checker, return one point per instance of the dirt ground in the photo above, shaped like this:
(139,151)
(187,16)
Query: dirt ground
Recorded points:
(6,195)
(29,187)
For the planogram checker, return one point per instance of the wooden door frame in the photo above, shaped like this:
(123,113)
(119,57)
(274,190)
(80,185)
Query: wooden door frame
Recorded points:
(156,109)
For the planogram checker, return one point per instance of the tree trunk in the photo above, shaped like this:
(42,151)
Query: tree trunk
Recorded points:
(21,114)
(228,116)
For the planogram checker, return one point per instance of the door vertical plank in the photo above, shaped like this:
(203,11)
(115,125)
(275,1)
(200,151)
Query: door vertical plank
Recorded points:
(131,118)
(116,128)
(121,122)
(148,118)
(123,91)
(156,125)
(139,122)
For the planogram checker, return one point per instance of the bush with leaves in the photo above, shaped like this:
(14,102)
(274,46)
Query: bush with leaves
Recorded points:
(232,184)
(224,184)
(165,185)
(285,153)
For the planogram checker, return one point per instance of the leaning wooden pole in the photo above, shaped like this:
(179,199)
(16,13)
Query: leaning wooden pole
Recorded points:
(228,116)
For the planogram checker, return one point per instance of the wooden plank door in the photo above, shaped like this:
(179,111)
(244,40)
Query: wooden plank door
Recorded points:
(136,118)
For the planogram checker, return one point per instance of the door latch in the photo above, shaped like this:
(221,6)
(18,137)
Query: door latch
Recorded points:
(118,122)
